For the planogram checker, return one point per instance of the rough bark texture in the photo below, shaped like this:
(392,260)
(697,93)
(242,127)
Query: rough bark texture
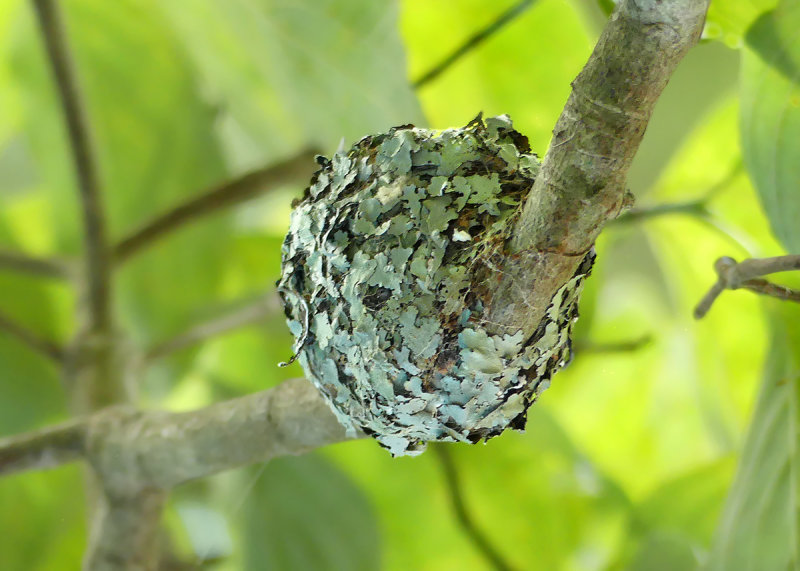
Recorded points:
(135,449)
(137,456)
(581,185)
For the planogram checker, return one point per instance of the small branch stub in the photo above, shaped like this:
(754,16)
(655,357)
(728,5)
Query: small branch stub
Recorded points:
(746,275)
(394,251)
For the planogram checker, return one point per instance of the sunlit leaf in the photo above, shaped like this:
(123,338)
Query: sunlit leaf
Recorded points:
(728,20)
(770,117)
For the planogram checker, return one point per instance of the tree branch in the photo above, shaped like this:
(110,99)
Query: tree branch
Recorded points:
(746,274)
(473,42)
(31,339)
(43,449)
(697,208)
(298,168)
(585,346)
(44,267)
(465,520)
(125,532)
(136,450)
(581,184)
(98,266)
(236,319)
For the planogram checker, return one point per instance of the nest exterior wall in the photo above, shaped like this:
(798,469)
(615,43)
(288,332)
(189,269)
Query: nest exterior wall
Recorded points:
(390,260)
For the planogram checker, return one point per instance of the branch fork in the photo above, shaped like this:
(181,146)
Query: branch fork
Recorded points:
(747,275)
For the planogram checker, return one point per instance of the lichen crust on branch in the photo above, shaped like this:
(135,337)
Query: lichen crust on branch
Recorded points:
(390,260)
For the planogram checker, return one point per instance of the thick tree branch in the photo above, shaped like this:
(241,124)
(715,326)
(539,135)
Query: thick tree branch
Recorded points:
(44,267)
(98,266)
(43,449)
(136,450)
(298,168)
(746,275)
(31,339)
(235,319)
(473,42)
(581,184)
(464,518)
(125,532)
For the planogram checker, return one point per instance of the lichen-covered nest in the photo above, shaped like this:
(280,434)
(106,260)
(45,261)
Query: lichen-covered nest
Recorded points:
(388,264)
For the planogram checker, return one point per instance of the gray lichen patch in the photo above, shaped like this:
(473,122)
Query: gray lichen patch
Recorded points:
(389,262)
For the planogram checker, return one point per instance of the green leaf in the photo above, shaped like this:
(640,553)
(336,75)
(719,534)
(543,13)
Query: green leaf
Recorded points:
(292,73)
(664,552)
(728,20)
(689,505)
(44,520)
(541,502)
(155,142)
(759,528)
(304,514)
(30,391)
(523,70)
(770,117)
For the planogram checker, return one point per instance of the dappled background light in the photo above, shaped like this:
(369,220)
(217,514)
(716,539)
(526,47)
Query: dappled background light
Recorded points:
(629,456)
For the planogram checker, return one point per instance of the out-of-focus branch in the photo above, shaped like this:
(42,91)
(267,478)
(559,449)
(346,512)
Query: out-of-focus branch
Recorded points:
(44,267)
(236,319)
(464,518)
(299,168)
(136,450)
(473,42)
(126,531)
(98,263)
(43,449)
(584,346)
(581,183)
(745,275)
(31,339)
(697,208)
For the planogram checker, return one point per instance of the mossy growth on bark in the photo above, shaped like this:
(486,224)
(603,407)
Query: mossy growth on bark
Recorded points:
(390,260)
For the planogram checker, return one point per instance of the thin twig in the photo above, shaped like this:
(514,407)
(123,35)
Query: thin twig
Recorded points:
(745,274)
(236,319)
(43,449)
(298,168)
(473,42)
(98,266)
(691,208)
(764,287)
(476,536)
(697,207)
(31,339)
(583,346)
(44,267)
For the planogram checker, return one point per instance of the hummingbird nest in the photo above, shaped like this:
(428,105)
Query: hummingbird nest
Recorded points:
(389,262)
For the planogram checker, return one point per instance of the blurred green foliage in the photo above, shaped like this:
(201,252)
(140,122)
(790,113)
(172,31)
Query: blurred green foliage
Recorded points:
(627,461)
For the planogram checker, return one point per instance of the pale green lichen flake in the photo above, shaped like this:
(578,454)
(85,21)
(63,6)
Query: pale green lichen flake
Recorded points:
(389,253)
